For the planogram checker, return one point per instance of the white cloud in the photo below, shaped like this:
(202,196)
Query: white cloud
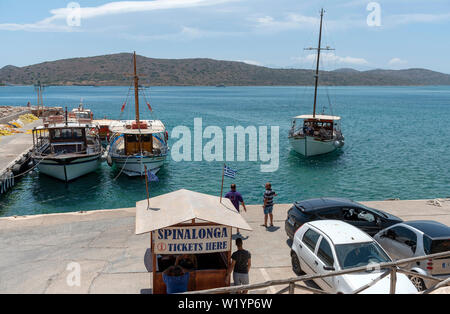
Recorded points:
(291,21)
(251,62)
(402,19)
(57,22)
(333,58)
(397,62)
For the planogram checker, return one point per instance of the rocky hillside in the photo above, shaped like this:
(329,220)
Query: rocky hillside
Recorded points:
(112,69)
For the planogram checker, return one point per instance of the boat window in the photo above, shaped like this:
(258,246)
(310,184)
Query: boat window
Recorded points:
(131,138)
(77,133)
(66,133)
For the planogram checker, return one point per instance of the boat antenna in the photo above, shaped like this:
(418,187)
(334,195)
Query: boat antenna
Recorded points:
(319,49)
(136,91)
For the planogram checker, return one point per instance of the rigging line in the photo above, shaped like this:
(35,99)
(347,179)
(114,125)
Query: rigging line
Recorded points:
(148,103)
(126,101)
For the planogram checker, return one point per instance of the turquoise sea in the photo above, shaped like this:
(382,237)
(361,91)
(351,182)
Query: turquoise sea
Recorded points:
(397,145)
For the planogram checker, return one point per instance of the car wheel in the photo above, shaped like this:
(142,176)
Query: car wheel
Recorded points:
(418,283)
(296,265)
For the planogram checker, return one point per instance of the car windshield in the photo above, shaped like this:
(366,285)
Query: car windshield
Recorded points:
(360,254)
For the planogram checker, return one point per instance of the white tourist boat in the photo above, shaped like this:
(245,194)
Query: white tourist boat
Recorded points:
(67,151)
(137,145)
(313,135)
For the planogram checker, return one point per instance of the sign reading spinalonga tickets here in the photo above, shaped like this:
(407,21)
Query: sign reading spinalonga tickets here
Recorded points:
(192,240)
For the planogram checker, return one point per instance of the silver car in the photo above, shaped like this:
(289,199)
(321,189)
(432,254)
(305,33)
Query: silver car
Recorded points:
(418,238)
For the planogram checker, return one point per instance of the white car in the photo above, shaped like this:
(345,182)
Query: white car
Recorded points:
(419,238)
(324,246)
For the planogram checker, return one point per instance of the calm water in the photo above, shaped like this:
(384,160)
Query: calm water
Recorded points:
(397,146)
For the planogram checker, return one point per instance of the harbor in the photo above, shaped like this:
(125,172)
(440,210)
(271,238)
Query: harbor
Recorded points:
(212,149)
(37,250)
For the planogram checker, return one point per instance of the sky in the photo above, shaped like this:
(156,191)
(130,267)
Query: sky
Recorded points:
(388,34)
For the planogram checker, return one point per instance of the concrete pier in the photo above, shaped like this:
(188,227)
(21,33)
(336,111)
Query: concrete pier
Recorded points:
(37,251)
(14,147)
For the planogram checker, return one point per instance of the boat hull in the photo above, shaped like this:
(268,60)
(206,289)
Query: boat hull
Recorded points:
(68,169)
(309,146)
(135,165)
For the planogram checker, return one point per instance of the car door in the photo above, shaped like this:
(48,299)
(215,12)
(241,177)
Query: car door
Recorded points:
(361,218)
(307,250)
(330,213)
(325,258)
(400,242)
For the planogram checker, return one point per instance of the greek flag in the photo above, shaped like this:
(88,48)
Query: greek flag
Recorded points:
(152,177)
(230,173)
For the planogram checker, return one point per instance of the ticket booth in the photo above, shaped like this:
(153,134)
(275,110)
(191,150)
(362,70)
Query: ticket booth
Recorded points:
(186,223)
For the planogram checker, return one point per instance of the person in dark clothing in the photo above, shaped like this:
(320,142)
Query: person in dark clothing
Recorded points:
(236,198)
(241,261)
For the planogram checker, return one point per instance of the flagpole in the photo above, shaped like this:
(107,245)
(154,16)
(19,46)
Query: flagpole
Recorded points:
(223,177)
(146,186)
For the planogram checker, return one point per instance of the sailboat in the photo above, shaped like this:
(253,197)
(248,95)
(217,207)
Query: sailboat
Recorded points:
(313,135)
(137,146)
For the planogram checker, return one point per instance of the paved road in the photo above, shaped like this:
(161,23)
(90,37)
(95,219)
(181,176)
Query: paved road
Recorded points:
(36,251)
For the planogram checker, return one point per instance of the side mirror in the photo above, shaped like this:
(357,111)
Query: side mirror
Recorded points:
(329,268)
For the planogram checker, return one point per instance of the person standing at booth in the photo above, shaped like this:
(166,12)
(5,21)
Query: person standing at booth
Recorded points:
(236,198)
(241,261)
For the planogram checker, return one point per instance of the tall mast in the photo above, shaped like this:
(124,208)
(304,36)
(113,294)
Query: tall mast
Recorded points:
(318,64)
(319,49)
(136,90)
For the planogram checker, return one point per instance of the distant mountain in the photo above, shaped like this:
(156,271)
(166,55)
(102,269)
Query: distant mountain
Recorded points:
(112,69)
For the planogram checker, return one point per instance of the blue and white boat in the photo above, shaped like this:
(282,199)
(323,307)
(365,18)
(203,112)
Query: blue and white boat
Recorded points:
(134,149)
(137,145)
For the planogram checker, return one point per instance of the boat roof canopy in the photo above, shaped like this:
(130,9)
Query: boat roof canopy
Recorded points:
(154,126)
(63,125)
(318,117)
(182,207)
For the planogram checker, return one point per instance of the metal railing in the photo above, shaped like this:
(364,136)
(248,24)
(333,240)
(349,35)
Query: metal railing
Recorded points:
(392,268)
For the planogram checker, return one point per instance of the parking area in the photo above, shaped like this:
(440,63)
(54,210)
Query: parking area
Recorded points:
(38,252)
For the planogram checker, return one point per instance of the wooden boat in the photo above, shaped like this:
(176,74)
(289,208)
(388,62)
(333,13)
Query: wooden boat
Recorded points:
(137,145)
(66,151)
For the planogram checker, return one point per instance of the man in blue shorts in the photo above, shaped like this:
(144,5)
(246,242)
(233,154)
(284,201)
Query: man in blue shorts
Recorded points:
(269,194)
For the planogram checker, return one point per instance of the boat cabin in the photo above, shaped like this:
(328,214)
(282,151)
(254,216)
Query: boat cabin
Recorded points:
(192,230)
(135,143)
(149,137)
(67,138)
(321,126)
